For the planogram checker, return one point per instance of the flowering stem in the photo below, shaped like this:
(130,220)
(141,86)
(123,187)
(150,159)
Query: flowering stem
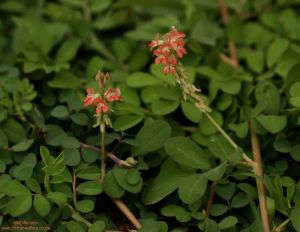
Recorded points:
(190,90)
(103,152)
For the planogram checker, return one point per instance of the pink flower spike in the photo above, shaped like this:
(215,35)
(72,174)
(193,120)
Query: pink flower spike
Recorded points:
(101,105)
(113,94)
(90,97)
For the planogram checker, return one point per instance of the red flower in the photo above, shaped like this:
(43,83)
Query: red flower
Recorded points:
(101,105)
(169,49)
(113,94)
(90,97)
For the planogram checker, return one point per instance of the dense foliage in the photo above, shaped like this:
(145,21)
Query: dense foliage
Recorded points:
(49,149)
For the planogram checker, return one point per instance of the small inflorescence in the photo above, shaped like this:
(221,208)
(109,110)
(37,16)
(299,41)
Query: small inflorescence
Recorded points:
(169,49)
(102,99)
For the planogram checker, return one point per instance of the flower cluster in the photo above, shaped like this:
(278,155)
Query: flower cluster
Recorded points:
(100,101)
(169,49)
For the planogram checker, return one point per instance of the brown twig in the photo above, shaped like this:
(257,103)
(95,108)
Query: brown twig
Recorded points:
(233,60)
(112,156)
(210,199)
(259,180)
(74,190)
(126,211)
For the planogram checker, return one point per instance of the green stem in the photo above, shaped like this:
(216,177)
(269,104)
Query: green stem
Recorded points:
(103,152)
(282,226)
(77,216)
(190,90)
(249,161)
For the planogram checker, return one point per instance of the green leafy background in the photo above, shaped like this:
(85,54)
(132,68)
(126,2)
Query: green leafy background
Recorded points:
(50,52)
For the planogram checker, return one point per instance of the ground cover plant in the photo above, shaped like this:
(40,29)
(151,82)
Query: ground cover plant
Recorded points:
(149,115)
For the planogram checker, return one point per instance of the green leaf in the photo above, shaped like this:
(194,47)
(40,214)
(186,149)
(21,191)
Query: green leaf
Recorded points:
(206,127)
(295,152)
(295,101)
(240,200)
(295,218)
(33,185)
(228,222)
(176,211)
(19,205)
(295,89)
(163,107)
(85,206)
(218,209)
(121,176)
(222,149)
(185,152)
(57,197)
(14,131)
(164,184)
(276,50)
(111,186)
(272,123)
(3,114)
(151,137)
(140,79)
(226,191)
(74,226)
(70,142)
(206,32)
(41,205)
(98,226)
(192,188)
(216,173)
(60,111)
(80,119)
(267,94)
(90,188)
(56,167)
(3,140)
(255,60)
(14,188)
(125,122)
(55,135)
(65,80)
(71,156)
(45,154)
(150,225)
(23,146)
(89,173)
(67,51)
(191,111)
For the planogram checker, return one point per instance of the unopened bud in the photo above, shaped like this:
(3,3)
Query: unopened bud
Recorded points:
(102,128)
(131,161)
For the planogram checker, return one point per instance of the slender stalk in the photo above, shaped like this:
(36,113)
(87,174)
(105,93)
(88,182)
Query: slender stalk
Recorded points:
(282,226)
(233,60)
(74,190)
(191,91)
(103,152)
(111,155)
(126,211)
(210,199)
(259,181)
